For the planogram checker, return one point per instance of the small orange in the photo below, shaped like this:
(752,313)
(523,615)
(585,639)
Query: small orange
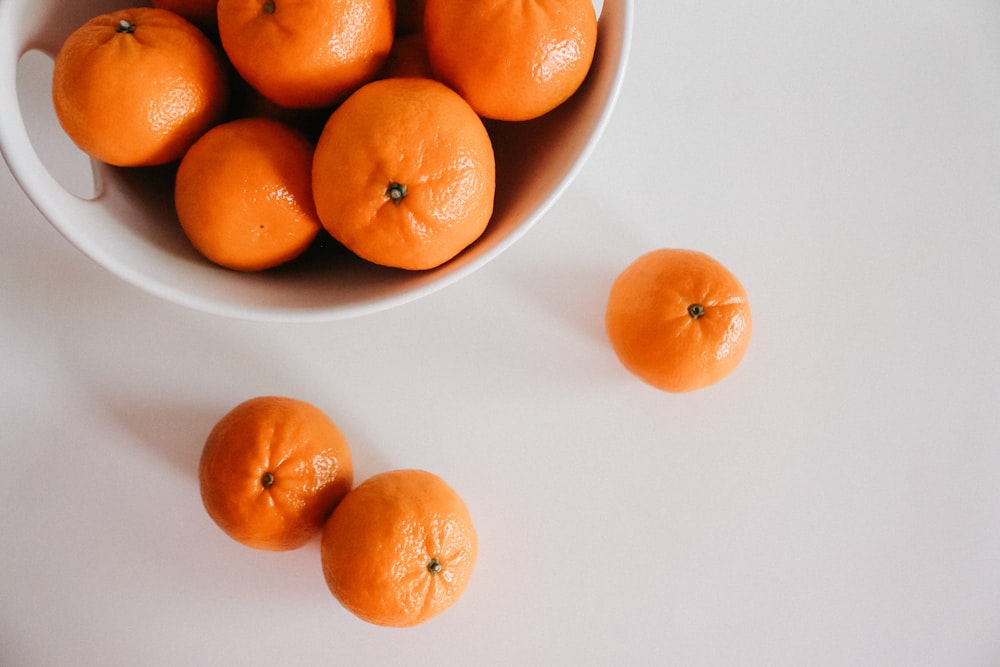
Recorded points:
(137,87)
(200,12)
(511,60)
(244,195)
(399,549)
(272,470)
(306,53)
(678,319)
(404,173)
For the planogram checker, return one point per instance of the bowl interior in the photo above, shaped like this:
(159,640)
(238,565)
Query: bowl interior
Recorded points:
(129,227)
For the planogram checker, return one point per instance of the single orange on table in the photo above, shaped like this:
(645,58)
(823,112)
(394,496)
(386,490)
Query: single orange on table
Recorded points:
(511,60)
(306,53)
(243,194)
(200,12)
(678,319)
(399,549)
(272,470)
(137,87)
(404,173)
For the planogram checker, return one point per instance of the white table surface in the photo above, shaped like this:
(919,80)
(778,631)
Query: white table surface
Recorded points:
(836,501)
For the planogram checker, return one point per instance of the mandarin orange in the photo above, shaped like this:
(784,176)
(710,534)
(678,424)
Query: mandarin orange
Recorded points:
(244,195)
(399,549)
(272,470)
(137,87)
(404,173)
(511,60)
(306,53)
(678,319)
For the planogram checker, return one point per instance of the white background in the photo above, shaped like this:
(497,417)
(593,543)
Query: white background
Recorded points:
(836,501)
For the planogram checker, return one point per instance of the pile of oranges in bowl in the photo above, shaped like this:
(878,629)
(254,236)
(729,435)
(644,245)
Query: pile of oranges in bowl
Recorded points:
(271,159)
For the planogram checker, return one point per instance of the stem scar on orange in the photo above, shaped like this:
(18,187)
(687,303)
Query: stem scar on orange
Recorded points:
(404,173)
(137,87)
(678,319)
(271,471)
(399,549)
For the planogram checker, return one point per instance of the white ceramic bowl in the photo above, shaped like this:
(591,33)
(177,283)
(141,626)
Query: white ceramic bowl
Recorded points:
(129,226)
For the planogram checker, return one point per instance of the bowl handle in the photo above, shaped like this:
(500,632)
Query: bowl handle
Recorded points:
(24,29)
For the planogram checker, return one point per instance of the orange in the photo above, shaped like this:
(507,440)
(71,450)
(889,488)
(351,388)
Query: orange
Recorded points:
(678,319)
(244,195)
(306,53)
(511,60)
(137,87)
(407,58)
(404,173)
(200,12)
(272,470)
(399,549)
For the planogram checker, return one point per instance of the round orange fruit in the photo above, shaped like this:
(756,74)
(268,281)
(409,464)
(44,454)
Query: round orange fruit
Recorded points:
(244,196)
(511,60)
(306,53)
(678,319)
(404,173)
(271,471)
(137,87)
(399,549)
